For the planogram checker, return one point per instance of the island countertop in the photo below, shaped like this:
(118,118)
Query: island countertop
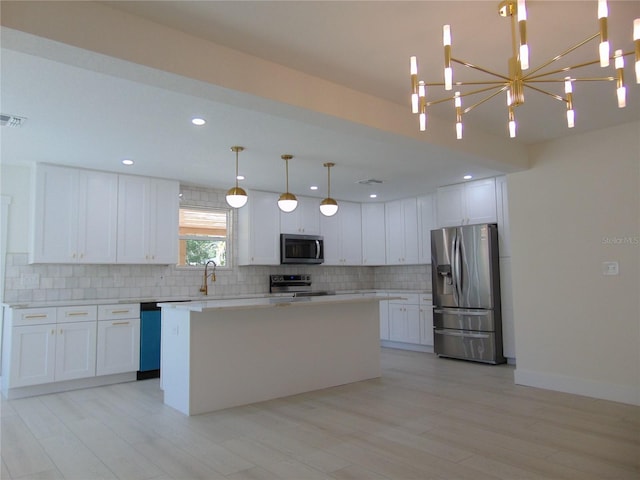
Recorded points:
(277,301)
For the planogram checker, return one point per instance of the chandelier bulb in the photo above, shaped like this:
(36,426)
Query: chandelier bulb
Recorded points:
(413,65)
(603,10)
(636,40)
(458,130)
(570,118)
(423,122)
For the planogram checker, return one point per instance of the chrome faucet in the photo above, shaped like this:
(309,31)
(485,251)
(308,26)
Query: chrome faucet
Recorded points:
(205,287)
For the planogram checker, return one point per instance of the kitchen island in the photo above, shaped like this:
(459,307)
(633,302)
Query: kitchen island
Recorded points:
(224,353)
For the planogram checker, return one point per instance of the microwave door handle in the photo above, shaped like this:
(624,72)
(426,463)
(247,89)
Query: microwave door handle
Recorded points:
(317,249)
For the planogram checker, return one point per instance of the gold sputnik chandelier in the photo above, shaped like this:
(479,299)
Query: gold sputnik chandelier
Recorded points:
(520,76)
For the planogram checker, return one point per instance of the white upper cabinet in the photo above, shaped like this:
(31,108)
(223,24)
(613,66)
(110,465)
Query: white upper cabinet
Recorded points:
(343,235)
(467,203)
(373,234)
(259,230)
(147,220)
(74,216)
(401,224)
(426,223)
(304,220)
(504,235)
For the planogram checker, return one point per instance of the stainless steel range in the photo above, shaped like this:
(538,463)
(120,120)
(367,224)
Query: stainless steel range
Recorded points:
(298,285)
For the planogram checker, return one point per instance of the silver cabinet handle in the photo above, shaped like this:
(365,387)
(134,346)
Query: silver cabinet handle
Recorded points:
(120,323)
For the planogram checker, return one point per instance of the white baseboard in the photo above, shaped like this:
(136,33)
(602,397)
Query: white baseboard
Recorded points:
(578,386)
(57,387)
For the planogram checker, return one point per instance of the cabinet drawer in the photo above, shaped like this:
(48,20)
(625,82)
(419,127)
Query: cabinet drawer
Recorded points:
(85,313)
(407,298)
(33,316)
(119,310)
(426,299)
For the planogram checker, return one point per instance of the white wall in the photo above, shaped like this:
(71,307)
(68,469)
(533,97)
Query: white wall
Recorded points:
(15,182)
(578,330)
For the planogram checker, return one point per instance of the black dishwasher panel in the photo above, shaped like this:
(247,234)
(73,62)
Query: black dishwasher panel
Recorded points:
(150,316)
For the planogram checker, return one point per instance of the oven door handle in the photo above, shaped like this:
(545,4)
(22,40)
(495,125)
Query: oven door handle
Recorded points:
(453,333)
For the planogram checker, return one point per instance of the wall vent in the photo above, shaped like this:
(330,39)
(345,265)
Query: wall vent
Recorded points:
(11,120)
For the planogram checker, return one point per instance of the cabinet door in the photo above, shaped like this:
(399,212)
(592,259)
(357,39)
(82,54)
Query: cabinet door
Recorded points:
(330,230)
(350,218)
(259,230)
(75,350)
(373,233)
(398,328)
(480,201)
(133,219)
(97,217)
(394,224)
(32,355)
(384,320)
(410,229)
(426,324)
(451,206)
(426,223)
(55,215)
(163,222)
(413,324)
(304,220)
(502,205)
(118,346)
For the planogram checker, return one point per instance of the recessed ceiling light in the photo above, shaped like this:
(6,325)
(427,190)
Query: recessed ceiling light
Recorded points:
(198,121)
(468,177)
(373,195)
(127,161)
(313,187)
(240,177)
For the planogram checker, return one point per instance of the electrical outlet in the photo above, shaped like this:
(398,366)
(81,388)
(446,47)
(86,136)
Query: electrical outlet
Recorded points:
(610,268)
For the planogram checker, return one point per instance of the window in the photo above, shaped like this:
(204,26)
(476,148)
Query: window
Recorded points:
(203,236)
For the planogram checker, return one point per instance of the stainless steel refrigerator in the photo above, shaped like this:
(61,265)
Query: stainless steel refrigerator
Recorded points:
(467,321)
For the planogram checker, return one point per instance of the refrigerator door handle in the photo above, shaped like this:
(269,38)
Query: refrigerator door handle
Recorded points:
(462,312)
(454,333)
(456,272)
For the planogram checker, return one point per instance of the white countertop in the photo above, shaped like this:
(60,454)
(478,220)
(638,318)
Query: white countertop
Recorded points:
(270,302)
(196,299)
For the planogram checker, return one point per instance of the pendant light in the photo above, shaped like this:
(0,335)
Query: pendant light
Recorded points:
(328,206)
(236,196)
(287,201)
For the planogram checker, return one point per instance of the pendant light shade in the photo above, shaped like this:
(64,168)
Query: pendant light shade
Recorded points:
(328,206)
(287,201)
(236,196)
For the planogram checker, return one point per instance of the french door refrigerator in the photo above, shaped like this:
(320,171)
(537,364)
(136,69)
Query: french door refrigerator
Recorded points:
(467,321)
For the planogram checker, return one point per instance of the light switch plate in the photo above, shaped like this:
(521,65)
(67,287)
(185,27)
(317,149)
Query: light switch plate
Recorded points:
(610,268)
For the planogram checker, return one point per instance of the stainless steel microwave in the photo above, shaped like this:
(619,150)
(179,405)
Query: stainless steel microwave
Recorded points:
(307,249)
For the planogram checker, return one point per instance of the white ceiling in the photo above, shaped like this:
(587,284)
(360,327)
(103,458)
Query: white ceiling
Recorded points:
(90,116)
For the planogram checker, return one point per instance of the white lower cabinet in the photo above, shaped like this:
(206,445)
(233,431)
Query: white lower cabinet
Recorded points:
(118,339)
(51,345)
(75,350)
(426,319)
(404,319)
(33,355)
(407,322)
(384,318)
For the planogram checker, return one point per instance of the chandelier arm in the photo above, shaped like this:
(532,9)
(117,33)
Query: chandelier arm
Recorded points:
(584,79)
(502,87)
(475,67)
(553,95)
(558,57)
(468,109)
(529,78)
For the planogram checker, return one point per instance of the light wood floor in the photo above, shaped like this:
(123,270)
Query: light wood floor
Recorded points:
(425,418)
